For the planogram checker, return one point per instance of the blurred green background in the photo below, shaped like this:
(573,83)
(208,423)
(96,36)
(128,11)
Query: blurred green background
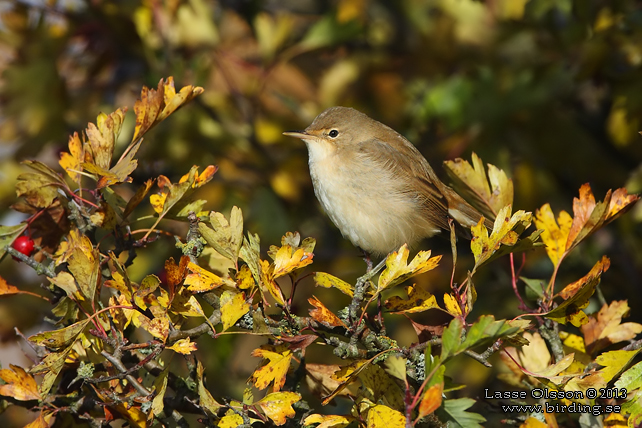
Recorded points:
(548,90)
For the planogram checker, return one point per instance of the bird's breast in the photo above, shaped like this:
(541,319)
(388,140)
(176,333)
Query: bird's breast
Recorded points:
(368,204)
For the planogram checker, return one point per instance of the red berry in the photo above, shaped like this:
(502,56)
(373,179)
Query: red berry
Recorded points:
(23,244)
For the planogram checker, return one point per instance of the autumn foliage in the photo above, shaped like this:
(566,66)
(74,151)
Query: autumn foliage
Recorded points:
(93,366)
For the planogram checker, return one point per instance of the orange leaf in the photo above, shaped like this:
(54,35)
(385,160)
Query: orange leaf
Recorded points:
(324,315)
(431,400)
(19,384)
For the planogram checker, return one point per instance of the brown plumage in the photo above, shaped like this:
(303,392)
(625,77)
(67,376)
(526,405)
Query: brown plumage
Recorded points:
(375,185)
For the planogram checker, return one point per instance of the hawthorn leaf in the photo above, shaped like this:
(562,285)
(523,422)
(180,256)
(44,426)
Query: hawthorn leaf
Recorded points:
(431,399)
(326,280)
(72,162)
(101,137)
(19,384)
(472,182)
(324,315)
(398,269)
(138,197)
(201,280)
(160,387)
(576,296)
(155,105)
(225,237)
(588,216)
(455,413)
(206,400)
(506,231)
(8,234)
(607,328)
(419,300)
(278,406)
(380,385)
(614,362)
(57,339)
(233,307)
(328,421)
(183,346)
(278,359)
(288,259)
(381,416)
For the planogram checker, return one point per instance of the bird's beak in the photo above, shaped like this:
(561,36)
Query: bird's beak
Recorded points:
(298,134)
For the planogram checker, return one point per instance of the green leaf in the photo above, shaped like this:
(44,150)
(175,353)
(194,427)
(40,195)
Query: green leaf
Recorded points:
(225,237)
(451,338)
(454,412)
(8,234)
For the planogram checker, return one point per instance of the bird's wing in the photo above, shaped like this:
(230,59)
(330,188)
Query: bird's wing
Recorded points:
(405,162)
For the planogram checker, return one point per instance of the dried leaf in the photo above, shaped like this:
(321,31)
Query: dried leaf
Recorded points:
(607,328)
(72,161)
(60,338)
(18,384)
(205,398)
(324,315)
(473,183)
(576,296)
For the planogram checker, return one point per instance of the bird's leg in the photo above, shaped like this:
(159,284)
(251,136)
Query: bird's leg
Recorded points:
(368,260)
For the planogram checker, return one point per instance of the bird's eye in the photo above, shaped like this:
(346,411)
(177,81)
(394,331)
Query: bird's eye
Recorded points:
(333,133)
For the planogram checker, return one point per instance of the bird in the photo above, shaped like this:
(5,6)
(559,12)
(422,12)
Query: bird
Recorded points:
(374,184)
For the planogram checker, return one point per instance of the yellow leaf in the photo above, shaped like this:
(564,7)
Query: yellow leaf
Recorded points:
(201,280)
(419,300)
(225,237)
(72,161)
(102,137)
(398,270)
(474,185)
(381,416)
(378,384)
(588,216)
(278,406)
(345,376)
(60,338)
(278,362)
(42,421)
(452,305)
(230,420)
(267,282)
(326,280)
(614,362)
(328,421)
(288,259)
(484,246)
(160,387)
(158,327)
(18,384)
(533,423)
(577,294)
(233,307)
(205,398)
(324,315)
(155,105)
(555,233)
(183,346)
